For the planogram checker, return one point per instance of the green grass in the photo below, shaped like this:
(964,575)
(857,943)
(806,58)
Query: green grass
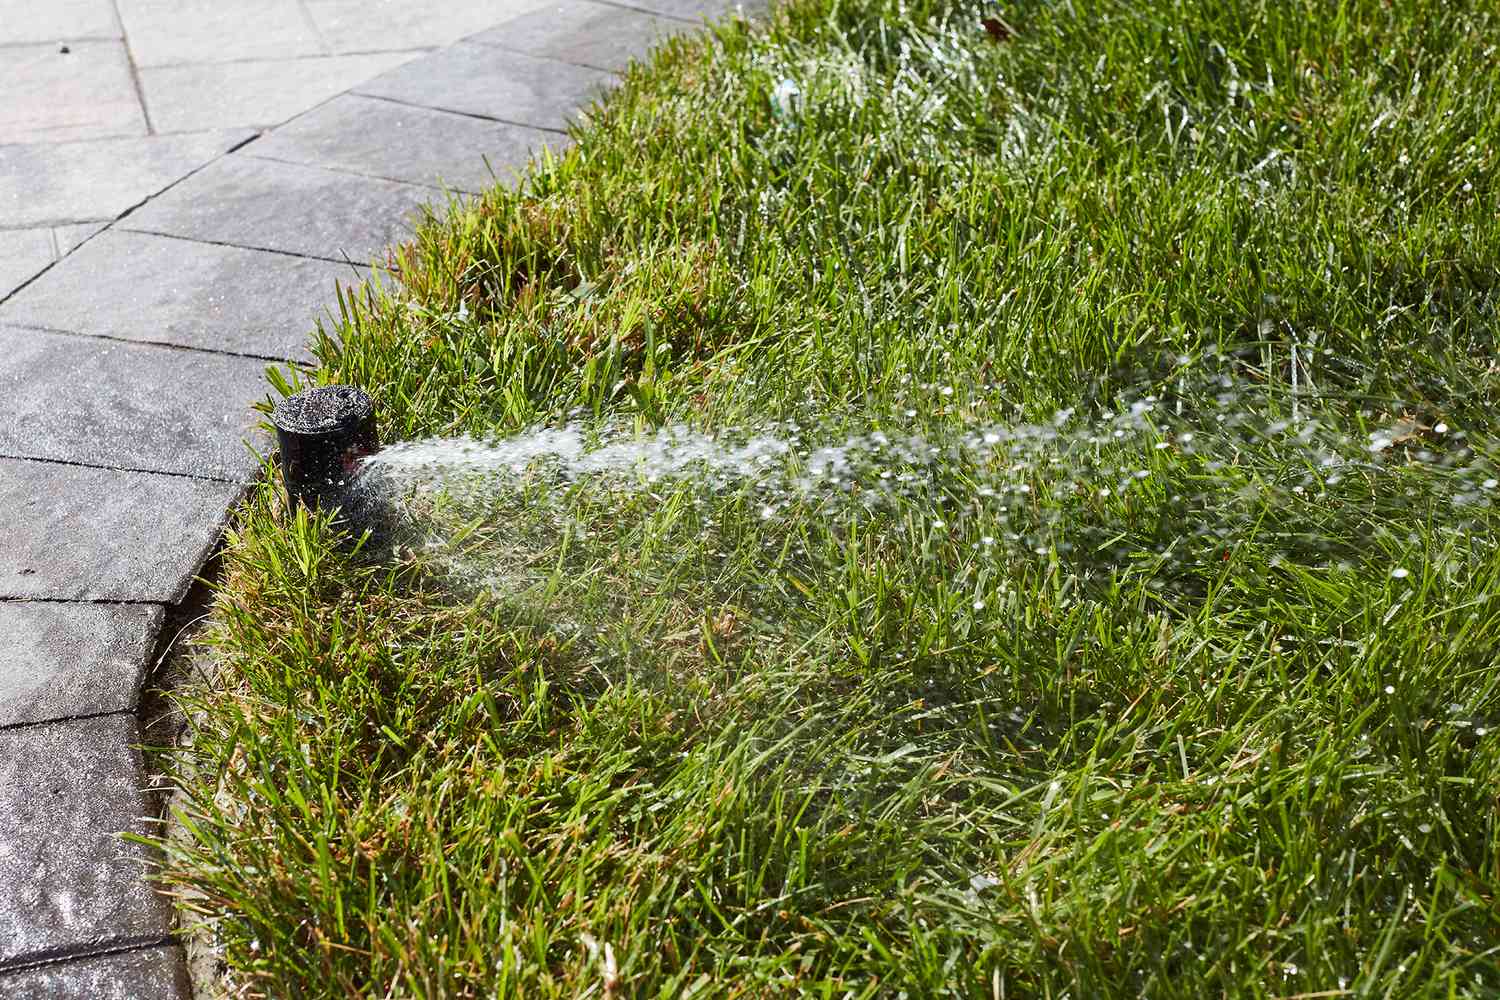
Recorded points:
(1176,734)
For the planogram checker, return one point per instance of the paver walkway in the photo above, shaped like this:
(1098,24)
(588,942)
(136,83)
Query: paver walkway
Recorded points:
(182,182)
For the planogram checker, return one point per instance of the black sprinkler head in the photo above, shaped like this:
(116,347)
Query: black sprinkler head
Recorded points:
(324,432)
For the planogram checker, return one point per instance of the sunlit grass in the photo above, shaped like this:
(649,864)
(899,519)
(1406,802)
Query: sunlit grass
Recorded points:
(1201,708)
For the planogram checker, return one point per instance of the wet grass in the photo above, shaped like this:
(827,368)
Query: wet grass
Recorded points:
(1201,709)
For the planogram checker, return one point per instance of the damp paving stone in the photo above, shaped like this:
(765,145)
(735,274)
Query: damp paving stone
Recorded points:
(245,201)
(141,287)
(494,83)
(129,406)
(42,183)
(405,143)
(80,534)
(60,660)
(583,33)
(68,880)
(157,973)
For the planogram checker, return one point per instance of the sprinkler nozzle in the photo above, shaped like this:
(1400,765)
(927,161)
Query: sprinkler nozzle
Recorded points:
(323,434)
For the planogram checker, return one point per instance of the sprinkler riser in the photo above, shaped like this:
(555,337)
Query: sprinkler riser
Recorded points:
(323,434)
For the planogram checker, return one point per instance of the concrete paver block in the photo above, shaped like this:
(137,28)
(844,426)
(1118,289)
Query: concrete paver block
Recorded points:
(141,287)
(59,661)
(129,406)
(23,252)
(24,21)
(78,534)
(584,33)
(85,93)
(257,93)
(158,973)
(400,142)
(372,25)
(249,202)
(67,879)
(493,83)
(44,183)
(164,32)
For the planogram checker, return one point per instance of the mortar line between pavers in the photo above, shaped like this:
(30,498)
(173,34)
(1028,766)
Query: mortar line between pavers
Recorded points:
(452,111)
(308,57)
(246,246)
(135,72)
(436,188)
(50,223)
(312,25)
(125,601)
(617,73)
(654,13)
(14,291)
(49,957)
(115,339)
(60,41)
(73,463)
(11,727)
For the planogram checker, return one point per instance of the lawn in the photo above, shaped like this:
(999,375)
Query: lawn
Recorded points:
(1142,645)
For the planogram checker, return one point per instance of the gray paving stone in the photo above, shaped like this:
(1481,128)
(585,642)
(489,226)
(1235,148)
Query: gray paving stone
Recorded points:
(494,83)
(67,879)
(78,534)
(59,661)
(156,289)
(257,93)
(163,32)
(56,20)
(129,406)
(146,974)
(70,237)
(405,143)
(598,35)
(23,252)
(250,202)
(86,93)
(46,183)
(698,11)
(371,25)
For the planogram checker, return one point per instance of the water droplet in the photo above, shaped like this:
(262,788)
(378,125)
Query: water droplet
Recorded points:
(1400,573)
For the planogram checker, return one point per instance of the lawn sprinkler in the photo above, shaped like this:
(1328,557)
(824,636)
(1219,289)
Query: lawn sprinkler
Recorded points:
(324,434)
